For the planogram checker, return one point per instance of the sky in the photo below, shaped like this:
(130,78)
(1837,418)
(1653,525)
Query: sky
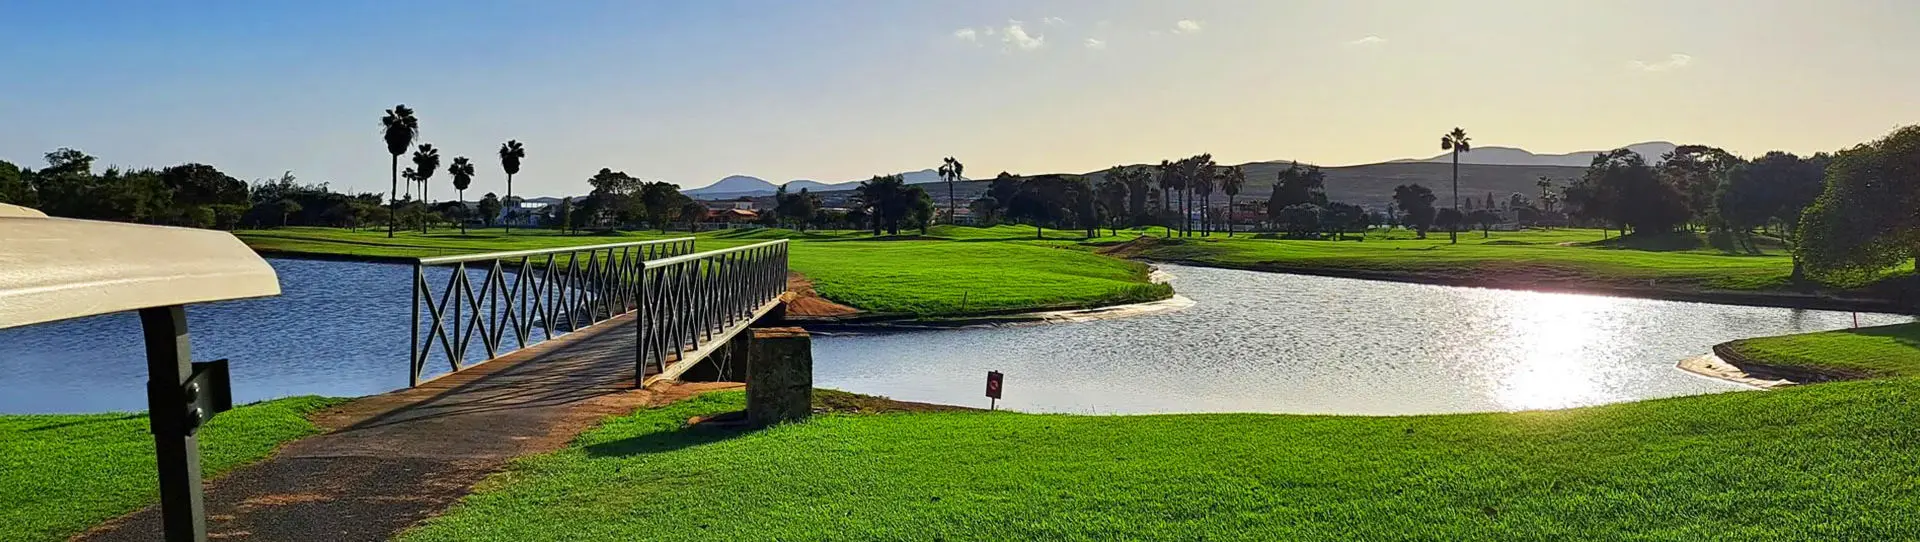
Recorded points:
(690,92)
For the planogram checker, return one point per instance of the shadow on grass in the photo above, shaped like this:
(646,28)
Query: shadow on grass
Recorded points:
(88,421)
(721,428)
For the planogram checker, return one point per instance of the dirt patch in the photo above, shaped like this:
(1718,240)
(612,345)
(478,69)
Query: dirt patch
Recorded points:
(285,499)
(804,302)
(1131,249)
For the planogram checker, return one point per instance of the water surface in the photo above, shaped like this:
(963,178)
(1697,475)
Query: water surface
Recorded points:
(1257,342)
(1268,342)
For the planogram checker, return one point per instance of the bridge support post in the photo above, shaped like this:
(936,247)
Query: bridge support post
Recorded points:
(779,375)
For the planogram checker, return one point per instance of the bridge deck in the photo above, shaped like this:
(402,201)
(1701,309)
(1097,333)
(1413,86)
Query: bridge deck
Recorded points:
(391,460)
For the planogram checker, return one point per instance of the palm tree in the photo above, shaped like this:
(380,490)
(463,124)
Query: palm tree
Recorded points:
(1203,187)
(399,128)
(426,160)
(1169,174)
(950,170)
(510,154)
(462,172)
(1231,184)
(1456,141)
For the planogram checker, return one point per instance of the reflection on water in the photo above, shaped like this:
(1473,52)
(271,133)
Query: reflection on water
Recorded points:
(1285,343)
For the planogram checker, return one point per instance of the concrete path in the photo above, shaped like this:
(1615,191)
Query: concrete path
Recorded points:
(391,460)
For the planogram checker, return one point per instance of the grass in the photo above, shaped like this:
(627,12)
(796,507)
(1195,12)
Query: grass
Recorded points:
(1566,256)
(65,473)
(1882,351)
(955,271)
(1824,462)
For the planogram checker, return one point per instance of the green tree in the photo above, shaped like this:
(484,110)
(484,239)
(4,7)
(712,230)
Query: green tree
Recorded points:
(1696,172)
(663,203)
(1620,189)
(14,187)
(462,172)
(1486,218)
(563,214)
(511,153)
(692,211)
(1457,142)
(1416,202)
(1863,222)
(1296,185)
(921,212)
(1114,196)
(400,129)
(489,208)
(887,200)
(1300,220)
(800,207)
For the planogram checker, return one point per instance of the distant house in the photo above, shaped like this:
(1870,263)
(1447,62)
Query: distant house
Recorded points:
(528,213)
(733,215)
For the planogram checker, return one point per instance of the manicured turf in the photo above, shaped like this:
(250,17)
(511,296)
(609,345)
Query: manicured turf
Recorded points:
(1824,462)
(62,474)
(1870,351)
(957,271)
(1574,256)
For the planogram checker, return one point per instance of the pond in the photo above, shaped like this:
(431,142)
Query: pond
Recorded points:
(1253,342)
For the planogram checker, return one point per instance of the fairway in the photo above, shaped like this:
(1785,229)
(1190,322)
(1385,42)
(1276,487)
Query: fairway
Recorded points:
(1821,462)
(956,271)
(1565,257)
(1881,351)
(65,473)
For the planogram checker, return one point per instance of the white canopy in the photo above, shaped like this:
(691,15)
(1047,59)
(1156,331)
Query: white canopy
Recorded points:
(58,268)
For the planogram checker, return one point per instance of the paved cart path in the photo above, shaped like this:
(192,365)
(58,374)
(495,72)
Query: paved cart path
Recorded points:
(391,460)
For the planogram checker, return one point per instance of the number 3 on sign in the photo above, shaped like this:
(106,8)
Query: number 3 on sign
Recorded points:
(993,389)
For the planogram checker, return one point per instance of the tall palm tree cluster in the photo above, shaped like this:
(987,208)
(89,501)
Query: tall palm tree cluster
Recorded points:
(399,128)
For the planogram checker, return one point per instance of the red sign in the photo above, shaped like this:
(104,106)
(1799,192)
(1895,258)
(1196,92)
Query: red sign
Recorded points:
(993,384)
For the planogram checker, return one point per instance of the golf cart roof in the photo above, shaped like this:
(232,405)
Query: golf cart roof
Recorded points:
(58,268)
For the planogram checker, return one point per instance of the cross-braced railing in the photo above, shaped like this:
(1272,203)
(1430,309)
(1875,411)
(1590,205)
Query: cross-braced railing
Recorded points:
(549,291)
(695,303)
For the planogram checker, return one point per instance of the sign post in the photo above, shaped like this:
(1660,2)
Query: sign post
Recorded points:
(993,389)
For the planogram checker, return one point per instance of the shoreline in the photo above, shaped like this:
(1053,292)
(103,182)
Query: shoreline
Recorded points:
(1720,297)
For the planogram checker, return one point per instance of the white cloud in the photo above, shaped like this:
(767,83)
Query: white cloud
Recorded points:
(1186,26)
(1367,41)
(1096,44)
(1052,21)
(1015,37)
(967,34)
(1673,62)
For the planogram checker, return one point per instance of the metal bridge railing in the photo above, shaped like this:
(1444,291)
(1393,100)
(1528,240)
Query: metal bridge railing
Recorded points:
(695,303)
(553,291)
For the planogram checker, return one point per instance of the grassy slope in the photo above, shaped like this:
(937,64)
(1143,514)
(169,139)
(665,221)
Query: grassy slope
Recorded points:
(1874,351)
(1820,462)
(1565,255)
(65,473)
(959,271)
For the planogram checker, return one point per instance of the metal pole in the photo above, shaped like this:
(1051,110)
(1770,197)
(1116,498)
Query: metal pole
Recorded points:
(169,364)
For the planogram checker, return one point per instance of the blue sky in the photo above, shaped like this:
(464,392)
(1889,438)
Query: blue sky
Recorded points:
(834,90)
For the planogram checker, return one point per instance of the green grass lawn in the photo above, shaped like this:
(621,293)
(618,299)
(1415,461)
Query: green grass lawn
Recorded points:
(1569,255)
(1880,351)
(61,474)
(955,271)
(1824,462)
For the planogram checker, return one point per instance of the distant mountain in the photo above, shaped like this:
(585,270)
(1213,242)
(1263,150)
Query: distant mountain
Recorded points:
(736,185)
(742,185)
(1511,156)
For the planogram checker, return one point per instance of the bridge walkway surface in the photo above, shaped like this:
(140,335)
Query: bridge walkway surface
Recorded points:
(388,461)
